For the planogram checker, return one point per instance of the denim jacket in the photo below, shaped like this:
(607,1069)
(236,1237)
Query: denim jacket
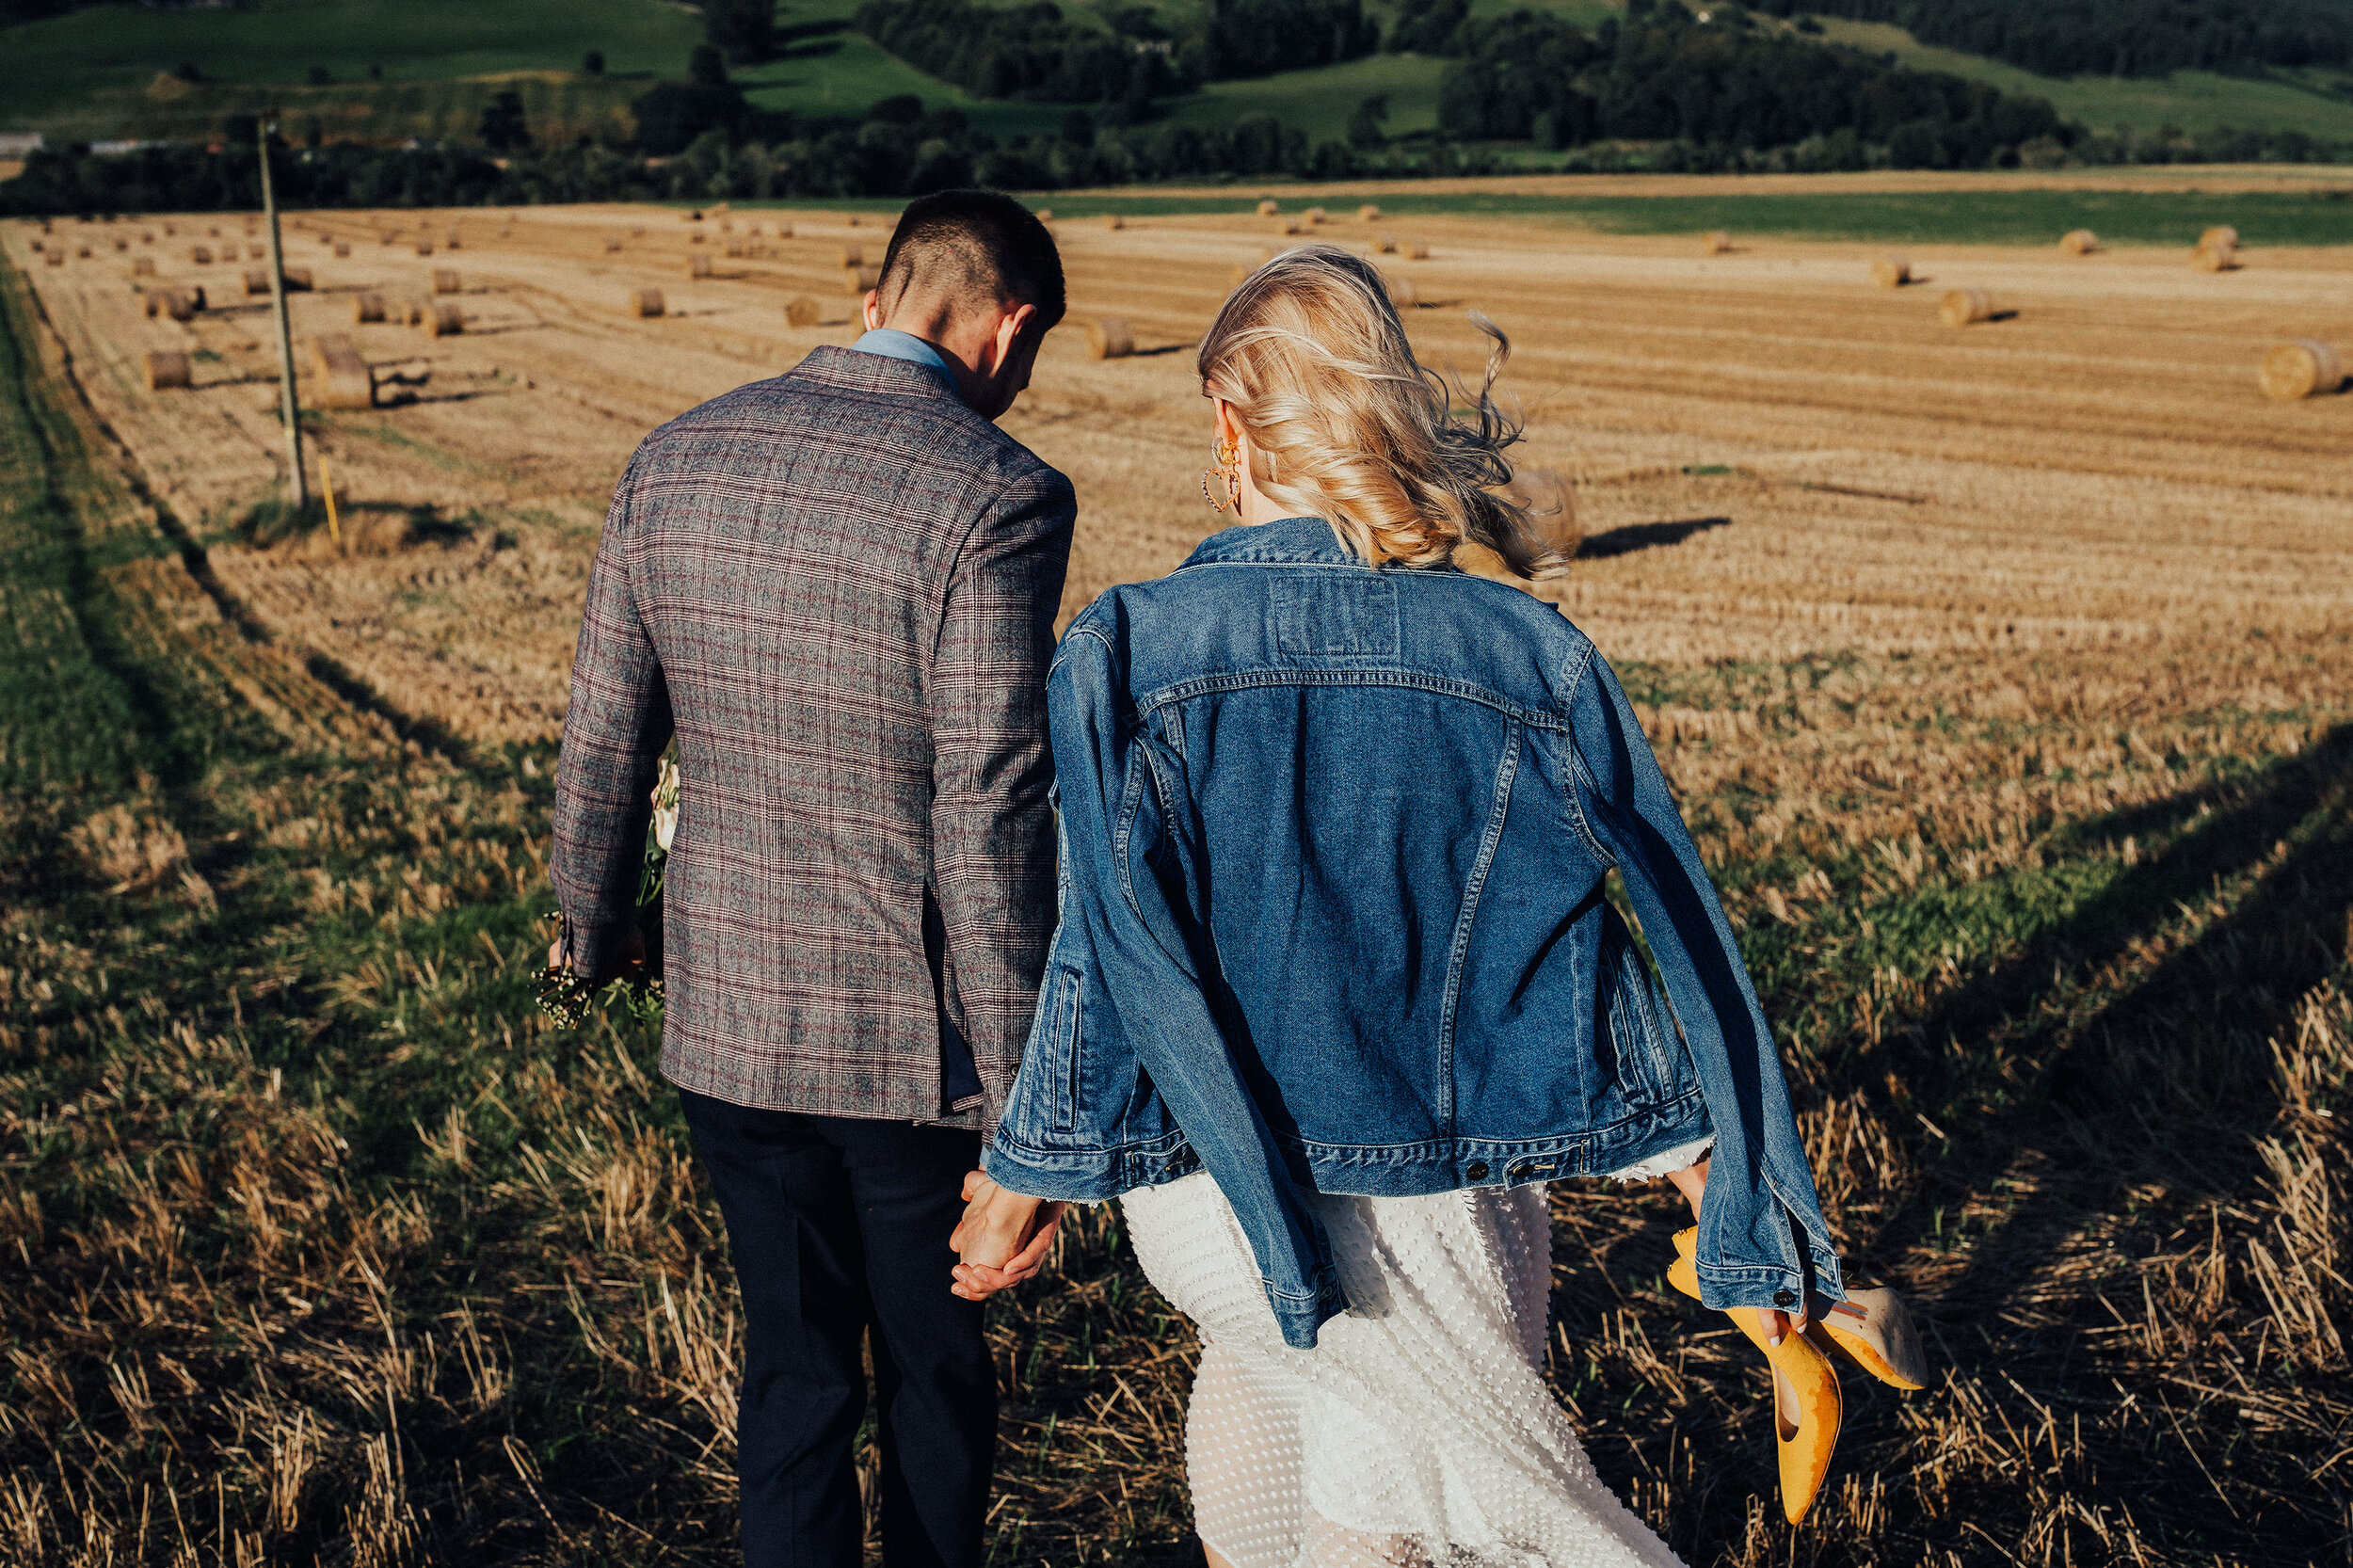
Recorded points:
(1333,841)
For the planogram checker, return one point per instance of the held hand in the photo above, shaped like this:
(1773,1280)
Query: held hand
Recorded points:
(1003,1238)
(634,954)
(1692,1182)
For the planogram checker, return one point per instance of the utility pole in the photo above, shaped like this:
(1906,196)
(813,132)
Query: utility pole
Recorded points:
(298,486)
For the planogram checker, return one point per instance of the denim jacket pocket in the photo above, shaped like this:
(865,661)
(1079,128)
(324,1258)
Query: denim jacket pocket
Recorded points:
(1652,1065)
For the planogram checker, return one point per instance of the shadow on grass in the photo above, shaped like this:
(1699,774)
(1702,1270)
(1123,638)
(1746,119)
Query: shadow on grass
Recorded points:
(1632,537)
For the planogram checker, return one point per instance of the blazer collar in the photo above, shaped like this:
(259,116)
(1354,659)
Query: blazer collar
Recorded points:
(851,370)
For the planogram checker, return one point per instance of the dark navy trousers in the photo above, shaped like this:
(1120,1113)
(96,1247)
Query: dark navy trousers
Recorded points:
(839,1227)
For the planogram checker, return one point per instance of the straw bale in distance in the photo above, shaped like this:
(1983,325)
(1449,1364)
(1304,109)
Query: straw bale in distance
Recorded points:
(344,381)
(1314,215)
(1387,246)
(342,248)
(412,312)
(1417,251)
(647,302)
(1545,495)
(1401,291)
(82,252)
(2222,234)
(1045,215)
(1113,220)
(252,253)
(1292,226)
(1367,213)
(451,242)
(695,238)
(861,279)
(445,280)
(2218,257)
(184,304)
(2079,242)
(734,248)
(1891,272)
(1268,208)
(1110,338)
(851,220)
(154,303)
(366,306)
(200,254)
(1961,307)
(298,279)
(142,267)
(853,255)
(2304,368)
(256,280)
(612,244)
(698,265)
(425,247)
(166,368)
(56,258)
(784,231)
(445,321)
(801,311)
(1715,243)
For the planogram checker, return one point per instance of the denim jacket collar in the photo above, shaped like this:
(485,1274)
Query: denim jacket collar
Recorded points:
(1285,542)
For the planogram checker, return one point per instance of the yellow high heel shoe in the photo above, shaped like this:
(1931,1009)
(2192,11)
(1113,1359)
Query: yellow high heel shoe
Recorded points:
(1802,1372)
(1872,1327)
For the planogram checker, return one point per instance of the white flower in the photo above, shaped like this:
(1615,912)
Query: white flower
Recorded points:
(666,806)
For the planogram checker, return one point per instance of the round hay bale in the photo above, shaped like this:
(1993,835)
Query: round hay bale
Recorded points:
(202,254)
(451,242)
(389,236)
(637,230)
(1961,307)
(2222,234)
(2305,368)
(1715,243)
(694,217)
(2079,242)
(410,313)
(1268,207)
(166,368)
(425,247)
(1110,338)
(612,245)
(2218,257)
(154,303)
(734,248)
(142,267)
(82,252)
(255,252)
(1545,495)
(445,321)
(695,238)
(697,267)
(1314,215)
(853,221)
(56,258)
(1292,226)
(256,280)
(1403,293)
(853,255)
(298,279)
(343,379)
(801,311)
(1367,213)
(1045,215)
(1388,247)
(342,250)
(647,303)
(366,307)
(1113,221)
(860,280)
(445,281)
(1417,251)
(784,231)
(1891,272)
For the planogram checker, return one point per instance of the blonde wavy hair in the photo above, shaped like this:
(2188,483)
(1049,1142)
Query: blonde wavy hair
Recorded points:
(1347,425)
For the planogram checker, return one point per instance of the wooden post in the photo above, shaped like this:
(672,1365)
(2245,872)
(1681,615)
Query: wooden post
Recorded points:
(297,483)
(327,488)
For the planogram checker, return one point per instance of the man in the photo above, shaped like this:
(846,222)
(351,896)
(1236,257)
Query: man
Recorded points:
(838,589)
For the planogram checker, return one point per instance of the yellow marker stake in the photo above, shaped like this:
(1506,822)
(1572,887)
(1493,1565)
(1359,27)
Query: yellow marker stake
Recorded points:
(327,486)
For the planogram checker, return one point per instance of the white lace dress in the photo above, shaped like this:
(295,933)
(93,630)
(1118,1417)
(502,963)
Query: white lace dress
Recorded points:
(1419,1431)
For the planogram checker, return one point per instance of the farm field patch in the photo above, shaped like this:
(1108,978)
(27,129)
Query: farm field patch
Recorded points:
(2005,676)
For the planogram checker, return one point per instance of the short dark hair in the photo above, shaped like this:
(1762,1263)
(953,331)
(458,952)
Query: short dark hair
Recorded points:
(974,244)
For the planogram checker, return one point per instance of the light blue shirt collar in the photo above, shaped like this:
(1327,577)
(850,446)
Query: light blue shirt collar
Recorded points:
(891,344)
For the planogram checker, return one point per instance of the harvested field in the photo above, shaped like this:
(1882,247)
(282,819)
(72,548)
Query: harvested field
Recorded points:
(2006,675)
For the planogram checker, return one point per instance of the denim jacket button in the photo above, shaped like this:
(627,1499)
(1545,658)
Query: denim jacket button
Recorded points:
(1477,1171)
(1785,1298)
(1522,1171)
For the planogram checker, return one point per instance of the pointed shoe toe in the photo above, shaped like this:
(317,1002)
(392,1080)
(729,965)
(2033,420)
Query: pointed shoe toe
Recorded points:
(1805,1445)
(1874,1329)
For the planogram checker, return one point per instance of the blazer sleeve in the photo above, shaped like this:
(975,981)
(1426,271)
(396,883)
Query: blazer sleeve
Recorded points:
(1747,1251)
(993,769)
(616,729)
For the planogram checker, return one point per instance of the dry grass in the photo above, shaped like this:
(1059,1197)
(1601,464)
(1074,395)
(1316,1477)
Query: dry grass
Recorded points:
(2003,676)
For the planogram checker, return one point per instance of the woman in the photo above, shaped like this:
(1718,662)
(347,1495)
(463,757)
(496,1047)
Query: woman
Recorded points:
(1337,989)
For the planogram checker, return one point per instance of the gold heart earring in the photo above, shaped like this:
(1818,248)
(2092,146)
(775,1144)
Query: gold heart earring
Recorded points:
(1227,456)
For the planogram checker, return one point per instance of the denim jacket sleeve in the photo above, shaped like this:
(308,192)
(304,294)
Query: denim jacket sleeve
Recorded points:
(1759,1181)
(1128,911)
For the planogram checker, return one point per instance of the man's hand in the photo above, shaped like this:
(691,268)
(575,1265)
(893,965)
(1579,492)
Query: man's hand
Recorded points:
(633,953)
(1002,1238)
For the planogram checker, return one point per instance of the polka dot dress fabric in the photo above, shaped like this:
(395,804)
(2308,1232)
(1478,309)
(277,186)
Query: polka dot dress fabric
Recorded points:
(1419,1431)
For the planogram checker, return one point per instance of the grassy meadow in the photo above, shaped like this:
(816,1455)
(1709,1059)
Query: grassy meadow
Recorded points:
(2005,683)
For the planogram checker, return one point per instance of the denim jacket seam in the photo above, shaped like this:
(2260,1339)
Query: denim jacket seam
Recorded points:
(1384,675)
(1507,769)
(1581,779)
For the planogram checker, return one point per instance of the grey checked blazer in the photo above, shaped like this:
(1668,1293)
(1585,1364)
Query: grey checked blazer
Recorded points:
(839,587)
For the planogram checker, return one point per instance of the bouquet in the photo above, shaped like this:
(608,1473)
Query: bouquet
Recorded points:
(564,996)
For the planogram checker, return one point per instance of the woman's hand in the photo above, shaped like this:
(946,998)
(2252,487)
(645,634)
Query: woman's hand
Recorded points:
(1692,1182)
(1003,1238)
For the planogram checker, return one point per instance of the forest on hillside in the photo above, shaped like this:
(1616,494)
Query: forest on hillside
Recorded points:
(2112,38)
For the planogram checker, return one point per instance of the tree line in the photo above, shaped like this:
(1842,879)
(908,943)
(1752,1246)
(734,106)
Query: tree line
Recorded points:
(2113,38)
